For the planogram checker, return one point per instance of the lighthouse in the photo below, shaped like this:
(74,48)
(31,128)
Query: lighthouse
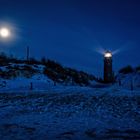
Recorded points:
(108,74)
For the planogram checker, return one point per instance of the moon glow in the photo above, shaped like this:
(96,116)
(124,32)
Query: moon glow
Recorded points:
(4,32)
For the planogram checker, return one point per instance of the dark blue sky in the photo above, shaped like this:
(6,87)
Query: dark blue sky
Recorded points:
(71,31)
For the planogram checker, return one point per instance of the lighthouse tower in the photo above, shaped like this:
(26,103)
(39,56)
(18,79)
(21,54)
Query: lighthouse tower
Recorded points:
(108,74)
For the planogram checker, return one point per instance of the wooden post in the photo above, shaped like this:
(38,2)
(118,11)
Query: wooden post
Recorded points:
(132,87)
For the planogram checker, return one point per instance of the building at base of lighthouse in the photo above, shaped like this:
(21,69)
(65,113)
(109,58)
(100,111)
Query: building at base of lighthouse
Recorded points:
(108,73)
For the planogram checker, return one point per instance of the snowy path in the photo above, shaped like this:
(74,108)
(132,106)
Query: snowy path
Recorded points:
(70,113)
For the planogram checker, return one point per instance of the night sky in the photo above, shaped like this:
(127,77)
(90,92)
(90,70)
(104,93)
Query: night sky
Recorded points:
(73,32)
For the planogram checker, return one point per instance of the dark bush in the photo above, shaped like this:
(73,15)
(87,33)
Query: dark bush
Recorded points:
(32,61)
(58,73)
(138,69)
(126,70)
(43,60)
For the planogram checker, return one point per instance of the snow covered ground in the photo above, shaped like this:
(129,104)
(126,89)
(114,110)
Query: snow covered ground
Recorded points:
(130,79)
(51,111)
(70,112)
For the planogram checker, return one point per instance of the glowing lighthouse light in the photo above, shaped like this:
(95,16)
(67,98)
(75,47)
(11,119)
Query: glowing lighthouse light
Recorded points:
(108,54)
(4,32)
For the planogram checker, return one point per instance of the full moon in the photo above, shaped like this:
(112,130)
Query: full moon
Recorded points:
(4,32)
